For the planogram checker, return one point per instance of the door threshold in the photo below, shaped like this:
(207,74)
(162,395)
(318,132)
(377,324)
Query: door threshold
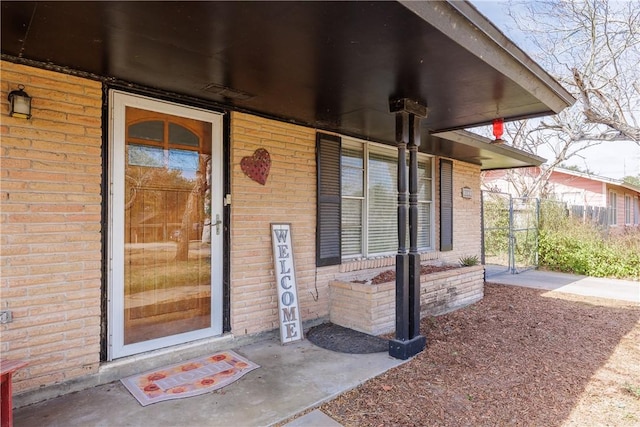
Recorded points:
(130,365)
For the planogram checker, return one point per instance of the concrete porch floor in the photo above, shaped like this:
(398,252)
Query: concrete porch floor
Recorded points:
(291,379)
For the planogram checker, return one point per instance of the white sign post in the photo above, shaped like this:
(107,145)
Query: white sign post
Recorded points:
(290,322)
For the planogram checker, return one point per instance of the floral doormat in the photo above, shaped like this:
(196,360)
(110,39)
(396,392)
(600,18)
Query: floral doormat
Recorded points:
(190,378)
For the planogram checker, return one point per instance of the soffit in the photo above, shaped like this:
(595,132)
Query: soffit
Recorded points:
(330,65)
(473,148)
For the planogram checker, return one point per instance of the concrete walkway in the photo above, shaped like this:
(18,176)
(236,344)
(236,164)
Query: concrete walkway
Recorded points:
(624,290)
(290,379)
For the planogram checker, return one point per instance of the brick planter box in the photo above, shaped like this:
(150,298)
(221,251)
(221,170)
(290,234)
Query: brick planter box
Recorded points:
(371,308)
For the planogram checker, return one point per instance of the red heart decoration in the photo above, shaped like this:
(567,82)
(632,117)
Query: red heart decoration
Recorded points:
(257,166)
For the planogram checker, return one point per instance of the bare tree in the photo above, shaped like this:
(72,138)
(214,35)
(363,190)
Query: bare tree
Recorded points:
(194,204)
(593,48)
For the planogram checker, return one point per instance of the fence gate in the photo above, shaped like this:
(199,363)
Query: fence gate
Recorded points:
(509,232)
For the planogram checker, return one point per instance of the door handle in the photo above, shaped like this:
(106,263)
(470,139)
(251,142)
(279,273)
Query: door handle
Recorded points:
(217,224)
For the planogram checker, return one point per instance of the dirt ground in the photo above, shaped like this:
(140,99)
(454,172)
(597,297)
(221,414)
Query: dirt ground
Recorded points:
(520,357)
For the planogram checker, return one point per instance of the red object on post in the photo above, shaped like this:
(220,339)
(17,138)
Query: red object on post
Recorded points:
(7,368)
(498,128)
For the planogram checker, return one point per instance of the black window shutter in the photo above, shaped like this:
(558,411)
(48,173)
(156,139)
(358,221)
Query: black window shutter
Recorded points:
(328,230)
(446,205)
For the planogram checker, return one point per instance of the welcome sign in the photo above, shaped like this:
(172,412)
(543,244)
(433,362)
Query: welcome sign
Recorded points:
(290,322)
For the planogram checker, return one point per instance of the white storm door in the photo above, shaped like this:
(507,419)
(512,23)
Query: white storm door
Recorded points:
(165,224)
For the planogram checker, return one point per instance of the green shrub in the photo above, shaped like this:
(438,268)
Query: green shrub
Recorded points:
(496,226)
(469,261)
(564,243)
(571,246)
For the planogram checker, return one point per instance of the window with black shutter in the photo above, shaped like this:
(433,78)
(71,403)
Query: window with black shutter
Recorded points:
(356,200)
(328,205)
(446,205)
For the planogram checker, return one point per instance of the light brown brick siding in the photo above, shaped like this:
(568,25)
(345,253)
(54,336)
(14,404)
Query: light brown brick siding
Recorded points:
(289,196)
(466,213)
(51,224)
(51,215)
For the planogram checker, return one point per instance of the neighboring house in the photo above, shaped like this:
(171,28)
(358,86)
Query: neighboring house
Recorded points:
(614,201)
(166,138)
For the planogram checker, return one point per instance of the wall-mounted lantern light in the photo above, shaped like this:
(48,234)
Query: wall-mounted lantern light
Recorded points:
(19,103)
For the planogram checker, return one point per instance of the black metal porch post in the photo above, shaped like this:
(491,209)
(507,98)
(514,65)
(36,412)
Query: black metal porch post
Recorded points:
(408,341)
(402,258)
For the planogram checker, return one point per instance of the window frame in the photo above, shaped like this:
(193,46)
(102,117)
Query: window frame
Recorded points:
(350,143)
(367,148)
(612,206)
(628,219)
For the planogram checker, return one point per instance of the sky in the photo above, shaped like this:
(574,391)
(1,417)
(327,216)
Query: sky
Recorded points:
(611,159)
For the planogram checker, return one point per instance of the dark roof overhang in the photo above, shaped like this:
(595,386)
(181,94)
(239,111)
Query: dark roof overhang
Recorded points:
(472,148)
(330,65)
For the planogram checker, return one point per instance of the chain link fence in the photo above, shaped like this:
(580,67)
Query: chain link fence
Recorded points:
(510,231)
(511,227)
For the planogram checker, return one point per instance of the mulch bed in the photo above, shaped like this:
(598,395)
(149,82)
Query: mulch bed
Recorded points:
(519,357)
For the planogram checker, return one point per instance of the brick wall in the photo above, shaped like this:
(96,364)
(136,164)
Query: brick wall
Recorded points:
(50,219)
(467,218)
(51,225)
(288,196)
(371,308)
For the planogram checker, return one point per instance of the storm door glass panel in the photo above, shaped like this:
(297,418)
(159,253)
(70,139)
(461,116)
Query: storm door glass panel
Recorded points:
(167,242)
